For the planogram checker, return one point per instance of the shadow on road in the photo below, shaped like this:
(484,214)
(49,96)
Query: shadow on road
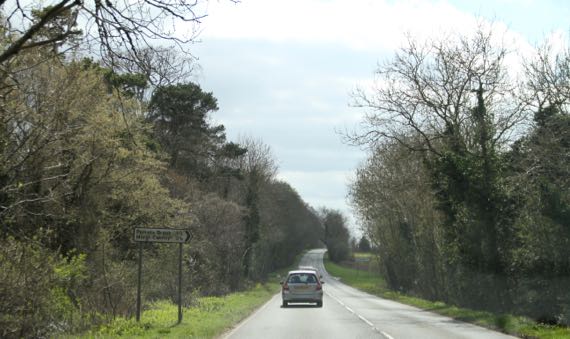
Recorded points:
(303,305)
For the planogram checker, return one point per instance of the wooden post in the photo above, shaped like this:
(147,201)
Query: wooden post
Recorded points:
(179,283)
(139,284)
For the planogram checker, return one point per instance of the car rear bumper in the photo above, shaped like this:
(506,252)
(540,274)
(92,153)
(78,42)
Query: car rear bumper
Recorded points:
(315,297)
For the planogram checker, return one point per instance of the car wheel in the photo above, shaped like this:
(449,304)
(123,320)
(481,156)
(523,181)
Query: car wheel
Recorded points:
(319,304)
(285,304)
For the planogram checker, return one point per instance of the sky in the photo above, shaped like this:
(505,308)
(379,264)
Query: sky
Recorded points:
(284,71)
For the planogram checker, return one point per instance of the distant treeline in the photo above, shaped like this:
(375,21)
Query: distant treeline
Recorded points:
(465,194)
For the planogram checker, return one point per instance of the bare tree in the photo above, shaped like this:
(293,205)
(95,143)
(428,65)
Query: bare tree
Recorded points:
(259,158)
(118,29)
(431,89)
(162,66)
(548,81)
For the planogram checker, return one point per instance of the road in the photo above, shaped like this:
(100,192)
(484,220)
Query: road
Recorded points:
(350,313)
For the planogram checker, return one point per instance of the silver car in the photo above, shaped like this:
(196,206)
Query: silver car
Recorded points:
(302,286)
(311,268)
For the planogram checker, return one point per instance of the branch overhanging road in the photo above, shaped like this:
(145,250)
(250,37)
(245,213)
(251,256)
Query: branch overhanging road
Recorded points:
(350,313)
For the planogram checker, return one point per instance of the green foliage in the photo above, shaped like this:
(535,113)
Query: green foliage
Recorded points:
(364,244)
(476,208)
(455,210)
(84,159)
(515,325)
(369,281)
(393,194)
(284,233)
(541,258)
(179,114)
(336,235)
(207,318)
(38,289)
(132,84)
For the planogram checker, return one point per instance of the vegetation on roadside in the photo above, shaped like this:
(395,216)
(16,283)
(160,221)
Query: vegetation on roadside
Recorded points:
(337,235)
(465,195)
(207,317)
(373,283)
(90,149)
(204,317)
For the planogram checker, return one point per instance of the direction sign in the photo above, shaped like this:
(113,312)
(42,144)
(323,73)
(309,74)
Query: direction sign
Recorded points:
(162,235)
(171,235)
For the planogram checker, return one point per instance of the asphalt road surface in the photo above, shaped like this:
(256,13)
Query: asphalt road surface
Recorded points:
(350,313)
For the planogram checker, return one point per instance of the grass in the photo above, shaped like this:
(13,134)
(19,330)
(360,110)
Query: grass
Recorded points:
(373,283)
(208,318)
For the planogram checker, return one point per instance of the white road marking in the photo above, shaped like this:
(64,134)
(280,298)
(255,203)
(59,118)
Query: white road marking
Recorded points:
(368,322)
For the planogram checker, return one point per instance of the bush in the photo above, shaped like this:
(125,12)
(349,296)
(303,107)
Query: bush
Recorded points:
(37,289)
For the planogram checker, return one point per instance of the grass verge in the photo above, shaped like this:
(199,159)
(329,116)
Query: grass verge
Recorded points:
(208,318)
(373,283)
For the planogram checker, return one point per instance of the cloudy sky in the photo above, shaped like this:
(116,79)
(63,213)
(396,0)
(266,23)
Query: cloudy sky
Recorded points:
(283,70)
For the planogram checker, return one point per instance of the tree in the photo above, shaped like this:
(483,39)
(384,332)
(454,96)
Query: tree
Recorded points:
(179,114)
(337,236)
(118,30)
(364,244)
(539,179)
(432,89)
(289,225)
(77,177)
(453,101)
(393,199)
(222,236)
(258,167)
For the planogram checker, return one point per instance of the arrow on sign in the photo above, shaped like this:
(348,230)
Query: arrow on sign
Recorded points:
(188,236)
(162,235)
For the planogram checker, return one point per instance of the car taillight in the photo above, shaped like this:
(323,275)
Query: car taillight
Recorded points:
(285,287)
(319,286)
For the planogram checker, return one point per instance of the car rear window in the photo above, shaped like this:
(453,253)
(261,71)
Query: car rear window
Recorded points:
(301,278)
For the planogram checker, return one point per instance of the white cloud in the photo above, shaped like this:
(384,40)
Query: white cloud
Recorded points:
(359,24)
(284,70)
(323,188)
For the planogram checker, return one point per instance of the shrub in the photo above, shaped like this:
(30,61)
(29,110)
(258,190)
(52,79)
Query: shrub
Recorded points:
(37,289)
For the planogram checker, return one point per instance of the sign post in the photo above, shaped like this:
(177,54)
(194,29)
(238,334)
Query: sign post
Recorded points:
(179,283)
(139,284)
(167,235)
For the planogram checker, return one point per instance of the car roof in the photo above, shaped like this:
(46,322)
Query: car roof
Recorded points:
(301,271)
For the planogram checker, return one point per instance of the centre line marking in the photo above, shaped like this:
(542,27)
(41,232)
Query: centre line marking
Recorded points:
(368,322)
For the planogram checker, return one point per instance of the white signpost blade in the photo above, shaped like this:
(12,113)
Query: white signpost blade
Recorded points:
(162,235)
